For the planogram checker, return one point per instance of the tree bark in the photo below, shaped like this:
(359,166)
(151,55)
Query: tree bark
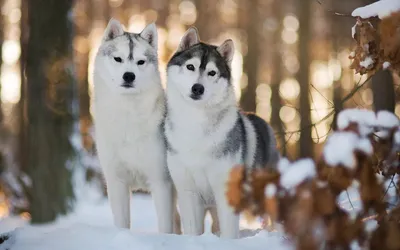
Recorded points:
(276,100)
(383,91)
(83,28)
(207,19)
(251,59)
(303,76)
(49,102)
(1,51)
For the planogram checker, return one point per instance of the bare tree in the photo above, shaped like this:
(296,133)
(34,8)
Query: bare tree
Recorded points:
(303,77)
(251,59)
(383,91)
(276,100)
(83,26)
(49,108)
(207,19)
(1,45)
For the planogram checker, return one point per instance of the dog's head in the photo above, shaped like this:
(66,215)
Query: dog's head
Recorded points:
(127,62)
(201,72)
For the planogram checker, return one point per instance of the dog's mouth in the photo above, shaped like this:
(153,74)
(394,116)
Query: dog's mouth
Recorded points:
(195,97)
(127,85)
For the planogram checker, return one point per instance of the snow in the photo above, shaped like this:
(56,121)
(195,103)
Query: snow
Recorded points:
(386,65)
(90,226)
(382,9)
(368,62)
(365,118)
(298,172)
(353,31)
(81,236)
(283,164)
(340,146)
(387,119)
(364,145)
(397,137)
(270,190)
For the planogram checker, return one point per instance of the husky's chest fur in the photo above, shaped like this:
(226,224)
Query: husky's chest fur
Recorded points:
(129,137)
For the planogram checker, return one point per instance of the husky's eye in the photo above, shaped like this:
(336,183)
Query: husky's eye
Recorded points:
(190,67)
(212,73)
(118,59)
(140,62)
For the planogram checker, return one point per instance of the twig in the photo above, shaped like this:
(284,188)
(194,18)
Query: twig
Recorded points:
(332,11)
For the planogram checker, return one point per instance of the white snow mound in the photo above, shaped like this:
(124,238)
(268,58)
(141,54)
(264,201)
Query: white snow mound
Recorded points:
(382,9)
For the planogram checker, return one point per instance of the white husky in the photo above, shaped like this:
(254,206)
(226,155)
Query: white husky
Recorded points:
(206,133)
(129,112)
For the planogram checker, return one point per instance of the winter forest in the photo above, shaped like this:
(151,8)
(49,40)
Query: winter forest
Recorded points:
(323,73)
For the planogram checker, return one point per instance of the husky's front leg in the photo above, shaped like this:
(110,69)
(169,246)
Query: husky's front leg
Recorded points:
(192,212)
(119,198)
(228,220)
(162,193)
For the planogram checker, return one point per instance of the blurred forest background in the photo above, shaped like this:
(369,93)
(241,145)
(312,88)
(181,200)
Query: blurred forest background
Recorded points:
(291,66)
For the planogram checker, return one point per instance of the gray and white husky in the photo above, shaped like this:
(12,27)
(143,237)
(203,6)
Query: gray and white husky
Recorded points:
(129,112)
(207,134)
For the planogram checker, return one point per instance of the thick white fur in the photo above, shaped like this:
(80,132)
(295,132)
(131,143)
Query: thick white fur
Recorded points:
(200,178)
(127,124)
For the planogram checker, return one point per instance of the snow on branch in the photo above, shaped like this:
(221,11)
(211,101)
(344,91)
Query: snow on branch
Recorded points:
(376,47)
(382,9)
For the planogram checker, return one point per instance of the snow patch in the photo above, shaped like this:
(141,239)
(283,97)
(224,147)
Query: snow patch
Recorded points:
(381,9)
(339,149)
(353,31)
(367,63)
(298,172)
(386,65)
(387,119)
(270,190)
(77,237)
(364,118)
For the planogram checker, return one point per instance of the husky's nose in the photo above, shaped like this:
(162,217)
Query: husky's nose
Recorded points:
(129,77)
(198,89)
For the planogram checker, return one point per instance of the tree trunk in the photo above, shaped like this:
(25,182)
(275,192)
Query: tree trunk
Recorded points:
(336,32)
(49,99)
(83,28)
(251,59)
(22,143)
(276,100)
(383,91)
(207,19)
(303,76)
(2,23)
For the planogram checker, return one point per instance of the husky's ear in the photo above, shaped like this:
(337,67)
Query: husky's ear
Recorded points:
(190,38)
(226,50)
(114,29)
(150,34)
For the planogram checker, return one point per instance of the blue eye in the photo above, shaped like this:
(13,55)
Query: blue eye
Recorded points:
(190,67)
(118,59)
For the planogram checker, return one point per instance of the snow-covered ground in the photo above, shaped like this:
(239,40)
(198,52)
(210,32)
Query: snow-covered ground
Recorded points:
(90,227)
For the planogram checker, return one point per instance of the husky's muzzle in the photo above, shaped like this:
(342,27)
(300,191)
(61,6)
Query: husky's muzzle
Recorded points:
(197,91)
(128,77)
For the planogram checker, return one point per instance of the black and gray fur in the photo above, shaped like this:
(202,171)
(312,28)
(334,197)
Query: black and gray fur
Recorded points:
(206,53)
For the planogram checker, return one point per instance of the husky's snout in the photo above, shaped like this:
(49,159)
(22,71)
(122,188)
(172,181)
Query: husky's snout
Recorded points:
(197,91)
(128,77)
